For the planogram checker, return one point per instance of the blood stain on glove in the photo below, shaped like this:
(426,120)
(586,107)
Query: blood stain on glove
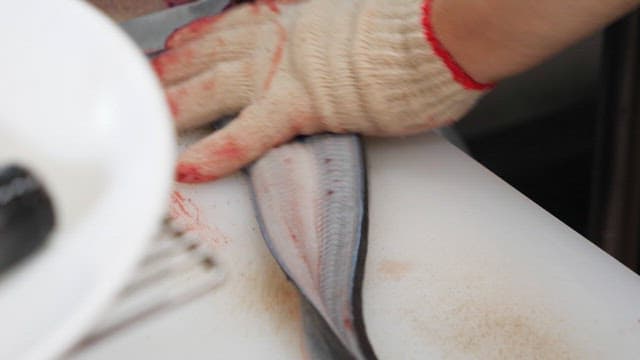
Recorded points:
(197,27)
(170,60)
(229,150)
(259,73)
(174,101)
(191,30)
(173,106)
(277,55)
(209,86)
(189,173)
(271,4)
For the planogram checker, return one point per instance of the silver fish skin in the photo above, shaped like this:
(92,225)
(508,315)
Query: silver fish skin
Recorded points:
(310,197)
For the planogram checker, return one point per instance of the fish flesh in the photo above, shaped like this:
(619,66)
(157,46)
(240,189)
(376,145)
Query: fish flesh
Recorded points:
(310,197)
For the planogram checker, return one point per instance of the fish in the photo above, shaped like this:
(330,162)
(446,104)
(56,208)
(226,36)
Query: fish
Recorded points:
(310,197)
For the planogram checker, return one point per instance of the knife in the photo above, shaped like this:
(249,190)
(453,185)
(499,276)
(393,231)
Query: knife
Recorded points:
(151,31)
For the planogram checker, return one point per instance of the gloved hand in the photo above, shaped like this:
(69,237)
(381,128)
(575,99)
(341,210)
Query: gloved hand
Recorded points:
(367,66)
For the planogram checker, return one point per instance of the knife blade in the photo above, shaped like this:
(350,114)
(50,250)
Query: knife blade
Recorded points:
(151,31)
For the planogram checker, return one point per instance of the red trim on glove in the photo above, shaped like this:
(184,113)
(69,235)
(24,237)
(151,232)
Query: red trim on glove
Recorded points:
(459,75)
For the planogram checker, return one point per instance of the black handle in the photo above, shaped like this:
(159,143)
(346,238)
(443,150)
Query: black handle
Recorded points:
(26,215)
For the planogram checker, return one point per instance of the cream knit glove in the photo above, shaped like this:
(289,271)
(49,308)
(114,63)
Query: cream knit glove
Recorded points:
(366,66)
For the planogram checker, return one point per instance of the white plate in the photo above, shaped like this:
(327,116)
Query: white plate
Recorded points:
(81,107)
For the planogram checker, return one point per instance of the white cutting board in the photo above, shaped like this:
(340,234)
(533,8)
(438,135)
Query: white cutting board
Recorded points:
(460,266)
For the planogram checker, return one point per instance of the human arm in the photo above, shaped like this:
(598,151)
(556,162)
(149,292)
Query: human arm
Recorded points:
(495,39)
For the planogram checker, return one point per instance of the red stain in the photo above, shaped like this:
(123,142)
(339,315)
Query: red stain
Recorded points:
(294,227)
(189,173)
(170,60)
(174,100)
(229,149)
(158,66)
(457,72)
(300,247)
(173,106)
(185,54)
(173,39)
(200,26)
(188,215)
(277,55)
(182,92)
(178,206)
(209,86)
(348,323)
(295,128)
(179,201)
(191,30)
(271,4)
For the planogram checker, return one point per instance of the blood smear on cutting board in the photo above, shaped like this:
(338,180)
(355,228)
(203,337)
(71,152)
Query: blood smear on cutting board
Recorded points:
(189,216)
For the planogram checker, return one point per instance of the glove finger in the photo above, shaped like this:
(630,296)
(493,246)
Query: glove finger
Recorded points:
(237,17)
(183,62)
(223,90)
(257,129)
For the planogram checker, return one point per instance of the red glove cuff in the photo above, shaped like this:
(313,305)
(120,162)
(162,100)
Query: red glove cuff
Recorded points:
(459,75)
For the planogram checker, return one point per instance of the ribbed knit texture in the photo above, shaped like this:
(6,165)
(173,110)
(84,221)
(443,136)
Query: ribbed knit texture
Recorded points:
(374,65)
(361,66)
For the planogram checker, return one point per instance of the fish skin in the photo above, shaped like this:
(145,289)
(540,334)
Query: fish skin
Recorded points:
(310,198)
(320,323)
(320,340)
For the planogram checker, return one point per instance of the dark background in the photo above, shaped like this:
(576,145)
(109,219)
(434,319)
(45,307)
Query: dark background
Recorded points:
(566,135)
(537,131)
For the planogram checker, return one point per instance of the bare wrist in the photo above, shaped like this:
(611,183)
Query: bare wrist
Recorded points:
(481,40)
(495,39)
